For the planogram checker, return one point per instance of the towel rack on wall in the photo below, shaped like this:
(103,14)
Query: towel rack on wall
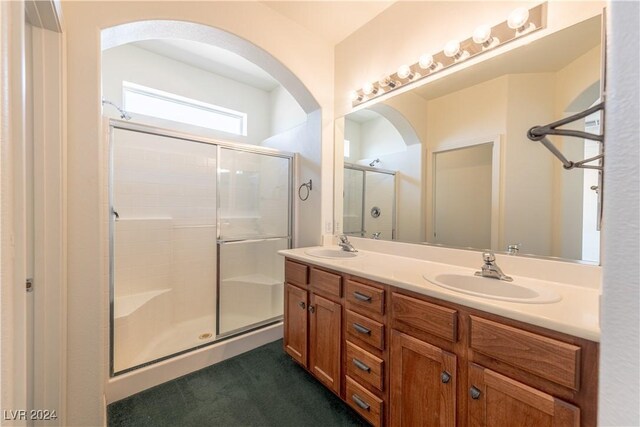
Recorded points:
(539,133)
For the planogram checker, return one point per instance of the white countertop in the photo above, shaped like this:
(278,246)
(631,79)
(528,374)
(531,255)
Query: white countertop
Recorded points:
(577,313)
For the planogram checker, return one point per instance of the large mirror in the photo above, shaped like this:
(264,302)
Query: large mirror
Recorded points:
(449,162)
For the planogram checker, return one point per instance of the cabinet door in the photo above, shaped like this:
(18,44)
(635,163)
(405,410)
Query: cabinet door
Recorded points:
(496,400)
(295,323)
(423,383)
(324,358)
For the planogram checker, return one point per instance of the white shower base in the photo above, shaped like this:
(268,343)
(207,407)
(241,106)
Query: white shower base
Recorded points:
(181,336)
(144,378)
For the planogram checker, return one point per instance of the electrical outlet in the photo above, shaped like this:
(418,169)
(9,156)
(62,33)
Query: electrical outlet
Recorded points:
(338,229)
(328,227)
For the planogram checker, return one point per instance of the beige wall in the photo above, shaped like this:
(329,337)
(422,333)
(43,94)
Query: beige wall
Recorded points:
(87,275)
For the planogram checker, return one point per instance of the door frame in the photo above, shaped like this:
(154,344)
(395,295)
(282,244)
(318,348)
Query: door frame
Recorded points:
(496,167)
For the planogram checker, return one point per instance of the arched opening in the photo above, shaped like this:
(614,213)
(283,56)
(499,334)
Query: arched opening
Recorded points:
(214,191)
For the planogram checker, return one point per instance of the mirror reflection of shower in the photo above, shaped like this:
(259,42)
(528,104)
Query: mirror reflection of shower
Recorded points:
(369,202)
(382,176)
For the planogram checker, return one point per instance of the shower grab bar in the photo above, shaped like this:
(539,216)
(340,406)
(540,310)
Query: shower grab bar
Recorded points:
(539,133)
(266,239)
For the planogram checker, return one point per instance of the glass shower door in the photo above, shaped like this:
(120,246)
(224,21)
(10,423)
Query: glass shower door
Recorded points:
(163,246)
(254,221)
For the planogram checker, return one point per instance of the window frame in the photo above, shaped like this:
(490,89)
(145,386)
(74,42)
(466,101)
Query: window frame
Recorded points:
(130,87)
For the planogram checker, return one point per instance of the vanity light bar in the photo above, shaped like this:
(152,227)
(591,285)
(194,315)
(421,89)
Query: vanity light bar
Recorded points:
(520,23)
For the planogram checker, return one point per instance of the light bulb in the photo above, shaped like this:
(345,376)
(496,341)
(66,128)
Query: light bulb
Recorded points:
(369,89)
(404,72)
(482,36)
(355,96)
(452,50)
(426,63)
(518,18)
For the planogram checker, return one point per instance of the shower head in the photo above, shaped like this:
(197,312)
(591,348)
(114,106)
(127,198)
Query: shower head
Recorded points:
(373,163)
(123,113)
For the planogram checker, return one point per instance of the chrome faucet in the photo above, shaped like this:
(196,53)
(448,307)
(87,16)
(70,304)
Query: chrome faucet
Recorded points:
(346,245)
(376,235)
(490,269)
(513,249)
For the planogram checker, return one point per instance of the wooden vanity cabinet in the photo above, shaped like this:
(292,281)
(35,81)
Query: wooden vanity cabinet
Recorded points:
(313,321)
(400,358)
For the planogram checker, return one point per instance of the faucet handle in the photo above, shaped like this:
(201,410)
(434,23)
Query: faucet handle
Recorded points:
(343,238)
(488,257)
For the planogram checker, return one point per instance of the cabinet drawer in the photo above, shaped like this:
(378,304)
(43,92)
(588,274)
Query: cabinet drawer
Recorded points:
(427,317)
(364,366)
(325,283)
(364,299)
(295,273)
(364,329)
(364,402)
(545,357)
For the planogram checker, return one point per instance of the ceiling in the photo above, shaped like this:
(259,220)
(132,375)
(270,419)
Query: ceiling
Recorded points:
(331,20)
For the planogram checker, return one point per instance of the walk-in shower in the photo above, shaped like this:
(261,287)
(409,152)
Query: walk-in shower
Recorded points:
(195,227)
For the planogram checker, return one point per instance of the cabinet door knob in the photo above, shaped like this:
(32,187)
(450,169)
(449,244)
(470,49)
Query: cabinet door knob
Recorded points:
(445,377)
(312,309)
(302,305)
(474,393)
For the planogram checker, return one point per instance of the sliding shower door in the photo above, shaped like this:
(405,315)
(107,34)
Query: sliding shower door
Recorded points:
(163,254)
(196,226)
(255,222)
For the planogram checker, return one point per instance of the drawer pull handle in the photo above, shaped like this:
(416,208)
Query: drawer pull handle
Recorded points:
(445,377)
(361,403)
(474,393)
(362,297)
(361,365)
(302,305)
(358,327)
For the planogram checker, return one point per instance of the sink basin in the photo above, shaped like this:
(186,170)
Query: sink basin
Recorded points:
(494,289)
(330,253)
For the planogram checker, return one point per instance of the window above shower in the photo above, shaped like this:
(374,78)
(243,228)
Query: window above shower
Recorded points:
(138,99)
(199,89)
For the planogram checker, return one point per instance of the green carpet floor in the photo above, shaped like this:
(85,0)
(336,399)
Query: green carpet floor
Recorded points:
(263,387)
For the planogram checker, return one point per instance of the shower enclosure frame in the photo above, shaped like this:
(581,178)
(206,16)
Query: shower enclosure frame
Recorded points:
(364,170)
(114,124)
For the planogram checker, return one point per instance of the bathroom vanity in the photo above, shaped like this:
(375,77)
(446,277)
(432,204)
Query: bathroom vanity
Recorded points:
(403,351)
